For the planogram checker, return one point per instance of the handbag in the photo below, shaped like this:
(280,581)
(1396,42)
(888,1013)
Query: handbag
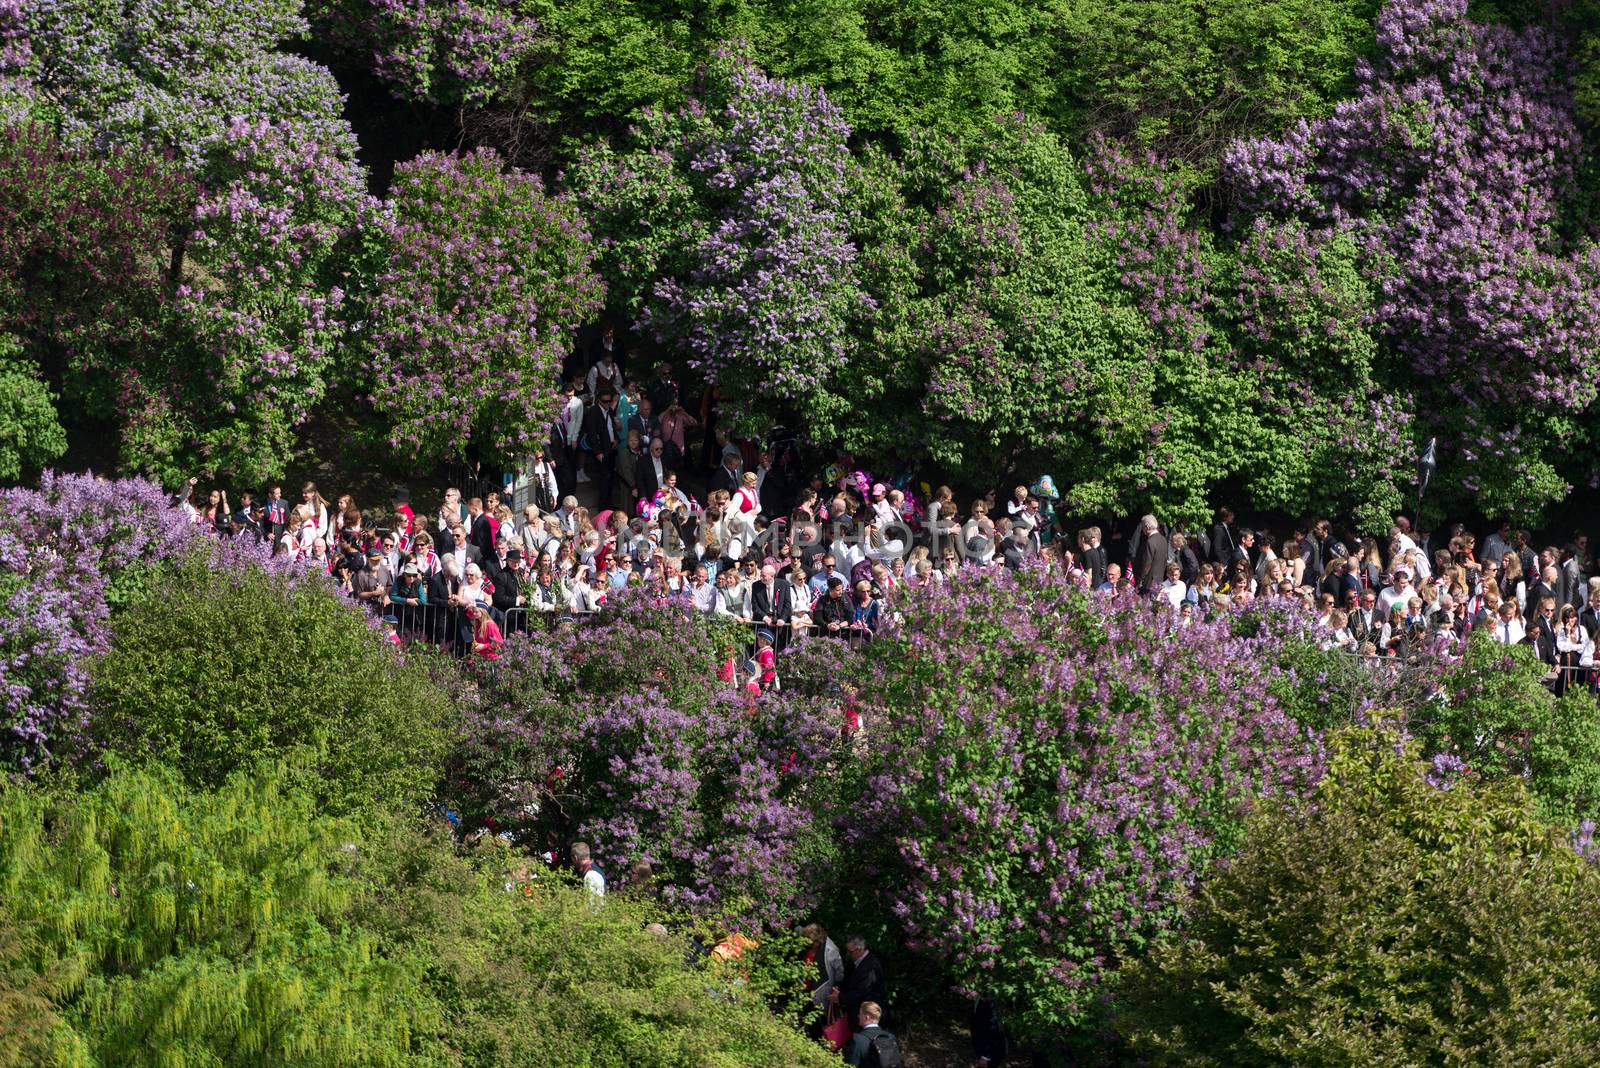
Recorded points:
(837,1030)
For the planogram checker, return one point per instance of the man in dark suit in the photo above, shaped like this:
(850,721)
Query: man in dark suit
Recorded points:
(480,532)
(771,607)
(663,390)
(1150,566)
(600,434)
(506,575)
(454,544)
(863,980)
(728,474)
(1222,539)
(1589,618)
(650,472)
(1549,580)
(1542,629)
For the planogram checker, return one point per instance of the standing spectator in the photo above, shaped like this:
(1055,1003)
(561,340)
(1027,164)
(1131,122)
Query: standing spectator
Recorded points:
(600,434)
(674,421)
(1092,555)
(873,1047)
(1509,630)
(863,979)
(486,638)
(1150,567)
(825,958)
(1222,538)
(277,514)
(770,605)
(990,1044)
(594,880)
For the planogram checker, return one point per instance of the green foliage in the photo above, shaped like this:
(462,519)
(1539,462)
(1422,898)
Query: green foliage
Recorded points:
(176,926)
(523,965)
(1186,77)
(30,432)
(1494,712)
(213,669)
(1384,922)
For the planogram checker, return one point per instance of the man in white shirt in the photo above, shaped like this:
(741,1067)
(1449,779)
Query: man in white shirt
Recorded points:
(1398,594)
(594,880)
(701,591)
(1509,630)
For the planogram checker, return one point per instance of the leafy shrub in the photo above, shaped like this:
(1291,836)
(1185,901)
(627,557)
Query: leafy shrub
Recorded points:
(1493,712)
(522,964)
(523,724)
(215,667)
(726,223)
(209,927)
(1386,921)
(1050,773)
(1446,169)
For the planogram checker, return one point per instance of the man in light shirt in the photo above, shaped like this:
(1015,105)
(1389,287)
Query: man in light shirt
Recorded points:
(1509,630)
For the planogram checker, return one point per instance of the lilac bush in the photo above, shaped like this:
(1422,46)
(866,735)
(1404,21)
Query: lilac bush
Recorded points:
(83,251)
(485,278)
(720,796)
(246,348)
(1446,169)
(437,51)
(1052,773)
(260,309)
(728,221)
(68,552)
(177,75)
(618,730)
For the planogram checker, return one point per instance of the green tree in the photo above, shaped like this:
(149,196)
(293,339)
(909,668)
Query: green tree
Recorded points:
(30,430)
(180,926)
(1187,77)
(211,669)
(1385,921)
(522,964)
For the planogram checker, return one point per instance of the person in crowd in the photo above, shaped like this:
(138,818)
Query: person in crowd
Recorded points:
(486,637)
(872,1046)
(825,966)
(863,980)
(588,872)
(991,1045)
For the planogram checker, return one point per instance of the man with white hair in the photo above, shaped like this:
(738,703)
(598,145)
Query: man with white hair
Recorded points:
(1150,568)
(770,606)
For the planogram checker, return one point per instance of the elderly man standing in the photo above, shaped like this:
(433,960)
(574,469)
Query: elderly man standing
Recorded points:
(1150,569)
(863,980)
(771,606)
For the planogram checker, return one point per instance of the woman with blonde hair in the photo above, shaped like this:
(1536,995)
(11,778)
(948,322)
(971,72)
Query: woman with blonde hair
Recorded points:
(486,636)
(317,508)
(1512,583)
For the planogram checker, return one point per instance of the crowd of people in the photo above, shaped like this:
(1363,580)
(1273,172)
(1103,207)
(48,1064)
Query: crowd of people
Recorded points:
(832,552)
(747,530)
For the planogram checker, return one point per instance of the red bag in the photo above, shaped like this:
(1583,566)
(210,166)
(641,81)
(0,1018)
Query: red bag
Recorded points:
(838,1030)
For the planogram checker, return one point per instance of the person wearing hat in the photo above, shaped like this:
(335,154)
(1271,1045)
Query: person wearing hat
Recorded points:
(391,629)
(506,577)
(765,676)
(408,599)
(370,585)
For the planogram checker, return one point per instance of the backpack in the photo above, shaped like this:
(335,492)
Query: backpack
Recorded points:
(882,1052)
